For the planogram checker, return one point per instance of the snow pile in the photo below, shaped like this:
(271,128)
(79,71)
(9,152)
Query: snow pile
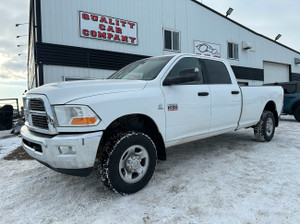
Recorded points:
(225,179)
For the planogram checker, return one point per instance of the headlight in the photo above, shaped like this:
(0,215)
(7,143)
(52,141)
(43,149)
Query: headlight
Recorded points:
(75,115)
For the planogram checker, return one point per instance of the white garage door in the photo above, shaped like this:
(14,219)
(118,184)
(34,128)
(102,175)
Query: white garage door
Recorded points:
(274,72)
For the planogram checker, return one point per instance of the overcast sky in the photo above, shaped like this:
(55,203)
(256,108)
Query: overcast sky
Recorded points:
(267,17)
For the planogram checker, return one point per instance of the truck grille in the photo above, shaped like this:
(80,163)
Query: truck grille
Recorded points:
(38,114)
(35,113)
(39,121)
(36,104)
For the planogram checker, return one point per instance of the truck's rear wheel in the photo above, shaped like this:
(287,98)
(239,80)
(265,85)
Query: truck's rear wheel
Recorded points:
(127,162)
(265,129)
(297,113)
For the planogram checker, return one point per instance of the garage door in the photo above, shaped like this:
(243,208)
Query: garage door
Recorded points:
(274,72)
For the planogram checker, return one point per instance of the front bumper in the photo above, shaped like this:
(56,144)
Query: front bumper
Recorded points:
(72,154)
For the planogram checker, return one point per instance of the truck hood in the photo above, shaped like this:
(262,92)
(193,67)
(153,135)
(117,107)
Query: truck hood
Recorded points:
(65,92)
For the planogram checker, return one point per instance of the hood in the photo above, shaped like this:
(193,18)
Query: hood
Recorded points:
(64,92)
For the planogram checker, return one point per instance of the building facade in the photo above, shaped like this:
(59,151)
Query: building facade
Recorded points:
(75,39)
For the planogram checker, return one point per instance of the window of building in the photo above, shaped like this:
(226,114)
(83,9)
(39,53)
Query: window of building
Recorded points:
(216,72)
(233,51)
(171,40)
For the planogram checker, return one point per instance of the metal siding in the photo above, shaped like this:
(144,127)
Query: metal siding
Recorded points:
(60,21)
(57,73)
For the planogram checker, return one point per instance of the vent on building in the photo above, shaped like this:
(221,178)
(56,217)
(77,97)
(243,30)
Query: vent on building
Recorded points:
(246,45)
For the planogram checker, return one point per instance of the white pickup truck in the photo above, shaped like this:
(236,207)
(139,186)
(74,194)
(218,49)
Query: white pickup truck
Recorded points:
(123,124)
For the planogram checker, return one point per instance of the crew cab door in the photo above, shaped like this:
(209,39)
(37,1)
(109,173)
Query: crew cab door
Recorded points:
(225,96)
(187,103)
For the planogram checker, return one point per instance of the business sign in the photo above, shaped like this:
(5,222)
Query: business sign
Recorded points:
(207,49)
(107,28)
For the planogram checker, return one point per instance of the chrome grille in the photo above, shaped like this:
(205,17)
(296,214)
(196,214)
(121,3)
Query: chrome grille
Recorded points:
(35,113)
(38,114)
(39,121)
(36,104)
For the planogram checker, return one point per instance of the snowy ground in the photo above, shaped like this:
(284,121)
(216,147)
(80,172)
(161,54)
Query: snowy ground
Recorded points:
(225,179)
(8,142)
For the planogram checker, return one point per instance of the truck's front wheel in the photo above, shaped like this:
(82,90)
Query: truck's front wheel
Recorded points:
(297,113)
(127,162)
(265,129)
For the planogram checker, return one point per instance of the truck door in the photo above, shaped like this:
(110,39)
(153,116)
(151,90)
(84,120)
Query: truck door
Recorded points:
(225,96)
(187,103)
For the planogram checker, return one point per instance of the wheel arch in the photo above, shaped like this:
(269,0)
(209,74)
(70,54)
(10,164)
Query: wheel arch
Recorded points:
(271,106)
(139,123)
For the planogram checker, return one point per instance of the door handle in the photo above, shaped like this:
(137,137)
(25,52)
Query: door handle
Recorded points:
(235,92)
(203,94)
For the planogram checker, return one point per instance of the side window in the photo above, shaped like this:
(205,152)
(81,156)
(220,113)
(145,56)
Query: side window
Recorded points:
(187,63)
(216,72)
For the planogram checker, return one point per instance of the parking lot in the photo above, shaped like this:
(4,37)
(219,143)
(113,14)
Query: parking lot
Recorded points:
(226,179)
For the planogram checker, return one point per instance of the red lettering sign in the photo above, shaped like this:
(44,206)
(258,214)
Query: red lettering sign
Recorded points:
(118,30)
(85,32)
(85,16)
(103,20)
(102,35)
(109,36)
(101,27)
(108,28)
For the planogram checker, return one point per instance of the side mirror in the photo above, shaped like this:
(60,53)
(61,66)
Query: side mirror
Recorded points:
(185,75)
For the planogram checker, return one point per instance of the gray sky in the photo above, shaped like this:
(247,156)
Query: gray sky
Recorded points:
(13,67)
(267,17)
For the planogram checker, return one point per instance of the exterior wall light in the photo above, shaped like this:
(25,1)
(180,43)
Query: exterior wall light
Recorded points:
(229,11)
(277,37)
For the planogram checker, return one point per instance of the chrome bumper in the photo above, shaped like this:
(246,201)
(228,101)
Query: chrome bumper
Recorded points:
(64,151)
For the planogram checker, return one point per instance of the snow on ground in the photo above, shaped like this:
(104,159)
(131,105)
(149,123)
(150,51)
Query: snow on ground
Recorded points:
(8,143)
(225,179)
(4,133)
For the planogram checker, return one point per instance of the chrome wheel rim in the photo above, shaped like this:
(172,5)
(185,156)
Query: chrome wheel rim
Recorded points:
(134,164)
(269,127)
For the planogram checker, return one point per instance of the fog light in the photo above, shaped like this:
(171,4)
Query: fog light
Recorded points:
(65,150)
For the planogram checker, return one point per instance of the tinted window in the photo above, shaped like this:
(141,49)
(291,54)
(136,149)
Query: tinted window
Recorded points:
(187,63)
(216,72)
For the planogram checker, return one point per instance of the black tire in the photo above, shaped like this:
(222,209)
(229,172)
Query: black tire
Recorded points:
(127,162)
(297,113)
(265,129)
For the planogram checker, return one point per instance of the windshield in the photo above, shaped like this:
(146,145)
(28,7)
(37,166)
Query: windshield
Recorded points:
(146,69)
